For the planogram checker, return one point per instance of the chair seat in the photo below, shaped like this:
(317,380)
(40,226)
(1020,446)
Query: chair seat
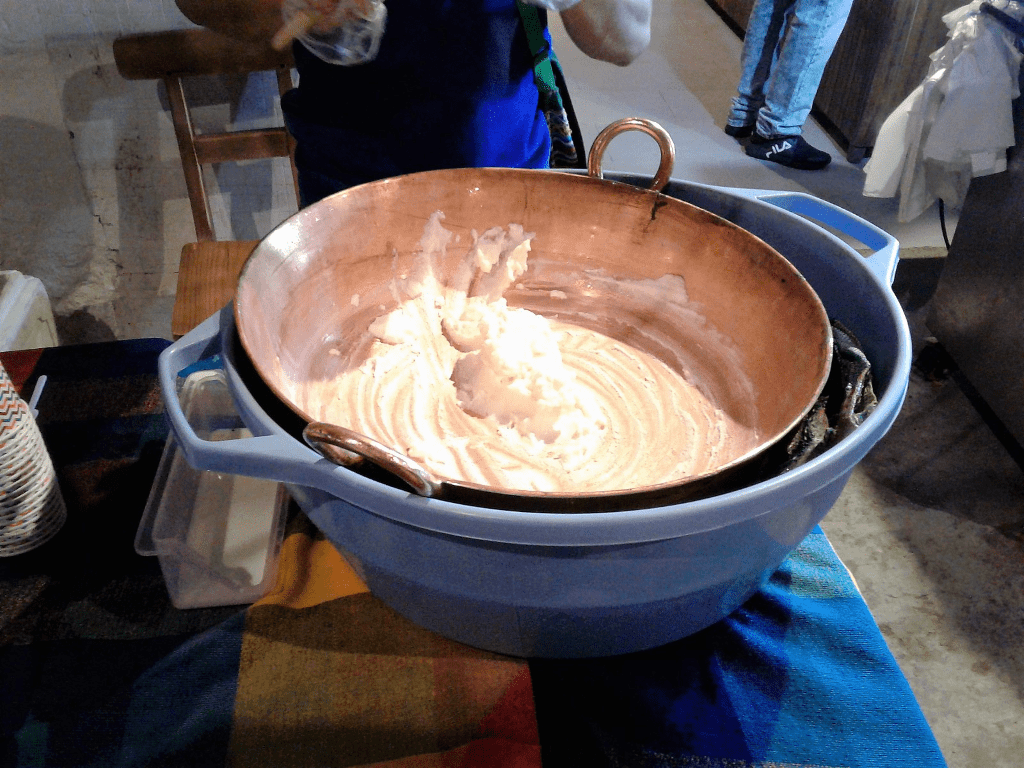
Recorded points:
(207,277)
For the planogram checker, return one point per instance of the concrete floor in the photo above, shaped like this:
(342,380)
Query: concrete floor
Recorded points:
(932,527)
(932,522)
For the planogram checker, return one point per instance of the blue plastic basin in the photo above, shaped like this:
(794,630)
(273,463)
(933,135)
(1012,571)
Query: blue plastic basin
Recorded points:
(582,585)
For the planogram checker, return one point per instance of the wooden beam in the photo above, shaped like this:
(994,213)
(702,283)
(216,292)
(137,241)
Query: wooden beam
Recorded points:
(242,145)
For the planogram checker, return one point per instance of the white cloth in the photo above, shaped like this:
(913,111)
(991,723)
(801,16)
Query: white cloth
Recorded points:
(958,123)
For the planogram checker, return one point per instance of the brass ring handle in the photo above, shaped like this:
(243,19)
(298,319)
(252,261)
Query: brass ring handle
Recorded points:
(346,448)
(652,129)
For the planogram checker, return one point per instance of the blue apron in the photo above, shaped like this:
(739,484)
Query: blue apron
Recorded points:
(452,87)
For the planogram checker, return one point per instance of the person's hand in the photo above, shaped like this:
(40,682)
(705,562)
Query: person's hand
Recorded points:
(253,20)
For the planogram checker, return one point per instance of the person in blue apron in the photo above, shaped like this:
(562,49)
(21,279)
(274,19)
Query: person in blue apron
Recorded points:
(449,83)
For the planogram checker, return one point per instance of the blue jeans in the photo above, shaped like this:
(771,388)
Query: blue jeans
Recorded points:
(785,50)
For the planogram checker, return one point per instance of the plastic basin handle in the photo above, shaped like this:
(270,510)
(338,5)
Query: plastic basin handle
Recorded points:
(273,457)
(885,248)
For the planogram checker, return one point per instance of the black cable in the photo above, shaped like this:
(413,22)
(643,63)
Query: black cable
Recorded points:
(1014,25)
(942,222)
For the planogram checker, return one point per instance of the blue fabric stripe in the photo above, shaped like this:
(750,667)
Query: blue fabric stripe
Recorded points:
(799,675)
(67,702)
(844,676)
(181,709)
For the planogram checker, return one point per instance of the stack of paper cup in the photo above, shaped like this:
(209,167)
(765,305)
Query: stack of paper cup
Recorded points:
(31,505)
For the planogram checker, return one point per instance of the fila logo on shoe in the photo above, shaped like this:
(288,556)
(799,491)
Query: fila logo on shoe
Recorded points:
(779,148)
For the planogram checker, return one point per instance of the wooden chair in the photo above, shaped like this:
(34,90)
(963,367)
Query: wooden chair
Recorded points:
(208,270)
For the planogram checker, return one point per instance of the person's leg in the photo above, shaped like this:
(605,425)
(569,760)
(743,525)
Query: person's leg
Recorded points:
(811,36)
(760,50)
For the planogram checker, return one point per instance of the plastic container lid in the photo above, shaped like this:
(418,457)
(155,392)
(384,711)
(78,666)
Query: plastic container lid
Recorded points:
(26,317)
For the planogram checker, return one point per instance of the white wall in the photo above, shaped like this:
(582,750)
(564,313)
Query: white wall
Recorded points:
(92,197)
(32,25)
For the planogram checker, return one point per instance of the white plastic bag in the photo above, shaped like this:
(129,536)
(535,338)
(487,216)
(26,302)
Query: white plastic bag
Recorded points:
(958,123)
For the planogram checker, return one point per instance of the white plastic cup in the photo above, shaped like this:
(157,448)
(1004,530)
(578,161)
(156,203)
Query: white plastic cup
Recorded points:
(32,508)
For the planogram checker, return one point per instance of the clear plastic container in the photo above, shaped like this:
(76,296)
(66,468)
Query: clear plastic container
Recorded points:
(355,36)
(218,536)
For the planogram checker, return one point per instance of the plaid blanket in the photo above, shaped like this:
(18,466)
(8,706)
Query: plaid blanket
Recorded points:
(98,669)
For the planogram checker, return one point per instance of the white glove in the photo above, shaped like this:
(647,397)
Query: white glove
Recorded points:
(616,31)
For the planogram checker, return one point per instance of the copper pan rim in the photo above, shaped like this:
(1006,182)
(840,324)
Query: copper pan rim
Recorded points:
(649,220)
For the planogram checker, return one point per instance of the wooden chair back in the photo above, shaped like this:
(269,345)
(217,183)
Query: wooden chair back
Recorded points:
(175,55)
(208,270)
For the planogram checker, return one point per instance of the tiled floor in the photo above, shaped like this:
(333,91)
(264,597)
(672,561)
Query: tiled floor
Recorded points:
(931,521)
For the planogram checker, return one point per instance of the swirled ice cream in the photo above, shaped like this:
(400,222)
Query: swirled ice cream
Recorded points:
(480,391)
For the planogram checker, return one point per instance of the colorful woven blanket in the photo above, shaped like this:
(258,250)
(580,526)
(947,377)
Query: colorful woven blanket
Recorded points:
(98,669)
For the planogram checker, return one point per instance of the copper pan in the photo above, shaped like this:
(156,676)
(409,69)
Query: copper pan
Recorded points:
(296,292)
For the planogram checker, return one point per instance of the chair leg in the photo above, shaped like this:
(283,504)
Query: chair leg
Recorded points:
(189,160)
(284,84)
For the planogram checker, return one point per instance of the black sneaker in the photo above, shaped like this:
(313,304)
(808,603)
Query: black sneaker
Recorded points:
(790,151)
(739,131)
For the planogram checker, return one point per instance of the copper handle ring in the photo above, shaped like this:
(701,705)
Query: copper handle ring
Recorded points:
(652,129)
(346,448)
